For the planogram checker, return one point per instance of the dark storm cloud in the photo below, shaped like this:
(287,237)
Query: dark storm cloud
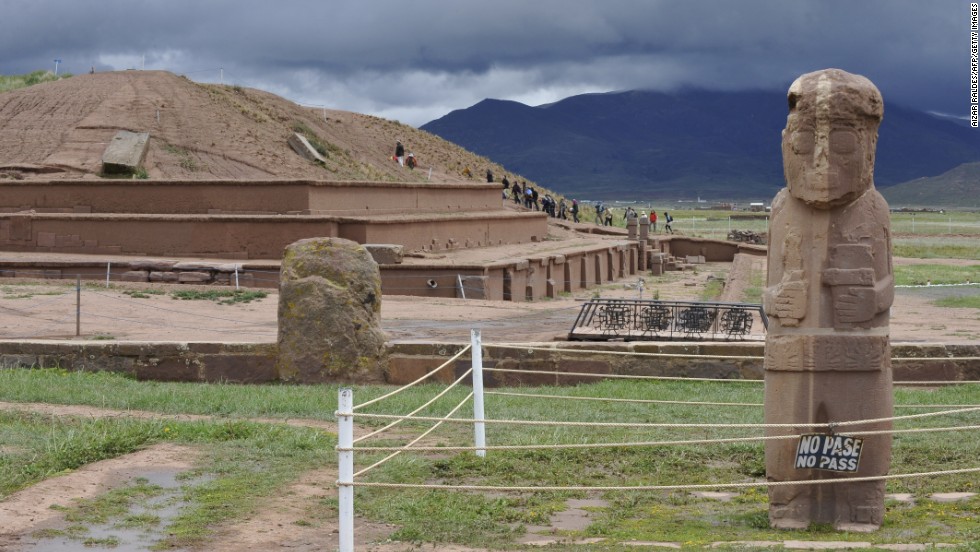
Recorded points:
(416,61)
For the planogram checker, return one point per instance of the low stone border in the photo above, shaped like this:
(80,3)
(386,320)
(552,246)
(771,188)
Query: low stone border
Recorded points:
(255,363)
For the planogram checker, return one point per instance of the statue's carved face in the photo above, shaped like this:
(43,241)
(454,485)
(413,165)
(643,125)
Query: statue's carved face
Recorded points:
(828,149)
(826,165)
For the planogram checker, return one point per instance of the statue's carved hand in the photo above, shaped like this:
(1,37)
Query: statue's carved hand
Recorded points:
(789,300)
(854,304)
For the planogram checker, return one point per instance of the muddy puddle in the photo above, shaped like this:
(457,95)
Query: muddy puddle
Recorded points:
(150,502)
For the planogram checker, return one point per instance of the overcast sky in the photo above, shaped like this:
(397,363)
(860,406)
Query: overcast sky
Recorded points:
(415,61)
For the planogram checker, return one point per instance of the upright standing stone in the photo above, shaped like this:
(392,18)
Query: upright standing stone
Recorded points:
(828,292)
(644,233)
(330,313)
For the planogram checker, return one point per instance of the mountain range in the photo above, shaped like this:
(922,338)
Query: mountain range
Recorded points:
(684,144)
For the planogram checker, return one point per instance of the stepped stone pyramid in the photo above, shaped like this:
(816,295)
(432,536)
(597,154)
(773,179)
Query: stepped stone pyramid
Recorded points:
(226,192)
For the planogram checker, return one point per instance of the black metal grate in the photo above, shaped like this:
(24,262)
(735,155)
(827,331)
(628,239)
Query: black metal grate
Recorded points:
(651,320)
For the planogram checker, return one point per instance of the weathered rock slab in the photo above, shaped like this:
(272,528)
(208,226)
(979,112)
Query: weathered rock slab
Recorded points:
(125,152)
(330,313)
(386,253)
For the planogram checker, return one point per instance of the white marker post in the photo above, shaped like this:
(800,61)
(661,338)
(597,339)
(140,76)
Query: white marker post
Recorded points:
(345,467)
(56,62)
(108,271)
(479,431)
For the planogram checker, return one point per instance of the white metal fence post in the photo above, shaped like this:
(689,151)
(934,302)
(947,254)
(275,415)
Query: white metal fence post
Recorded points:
(479,431)
(345,467)
(108,271)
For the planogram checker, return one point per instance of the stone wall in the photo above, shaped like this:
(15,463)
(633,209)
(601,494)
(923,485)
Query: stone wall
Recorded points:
(255,363)
(253,236)
(711,250)
(245,197)
(538,277)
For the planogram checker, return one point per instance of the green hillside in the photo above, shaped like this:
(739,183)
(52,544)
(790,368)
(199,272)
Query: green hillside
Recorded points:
(956,188)
(13,82)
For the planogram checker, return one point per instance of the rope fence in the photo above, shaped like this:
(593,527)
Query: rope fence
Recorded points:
(691,487)
(830,426)
(347,413)
(687,403)
(635,444)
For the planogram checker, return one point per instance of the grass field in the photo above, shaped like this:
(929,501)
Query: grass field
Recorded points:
(950,235)
(246,462)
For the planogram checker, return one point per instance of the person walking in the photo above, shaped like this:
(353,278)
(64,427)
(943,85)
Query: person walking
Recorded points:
(653,219)
(667,220)
(575,210)
(399,153)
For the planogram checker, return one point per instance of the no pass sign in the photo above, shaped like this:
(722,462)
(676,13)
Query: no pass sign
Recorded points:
(838,453)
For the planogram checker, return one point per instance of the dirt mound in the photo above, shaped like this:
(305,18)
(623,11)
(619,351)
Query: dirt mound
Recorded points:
(205,131)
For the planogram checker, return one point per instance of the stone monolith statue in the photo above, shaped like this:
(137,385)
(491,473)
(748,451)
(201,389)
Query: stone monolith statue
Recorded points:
(828,293)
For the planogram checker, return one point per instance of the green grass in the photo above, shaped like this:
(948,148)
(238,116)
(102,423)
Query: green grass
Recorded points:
(952,234)
(143,293)
(322,147)
(184,157)
(753,292)
(921,274)
(13,82)
(712,289)
(930,247)
(222,297)
(962,302)
(247,461)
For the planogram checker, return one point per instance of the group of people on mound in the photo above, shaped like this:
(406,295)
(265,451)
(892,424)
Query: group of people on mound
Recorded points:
(525,195)
(400,157)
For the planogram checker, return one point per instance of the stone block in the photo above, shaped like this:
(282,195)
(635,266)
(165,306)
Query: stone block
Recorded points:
(170,368)
(71,240)
(136,276)
(583,367)
(193,277)
(196,266)
(517,379)
(18,361)
(551,289)
(45,239)
(386,253)
(20,228)
(244,368)
(125,152)
(656,268)
(245,279)
(474,287)
(153,265)
(302,146)
(403,369)
(163,276)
